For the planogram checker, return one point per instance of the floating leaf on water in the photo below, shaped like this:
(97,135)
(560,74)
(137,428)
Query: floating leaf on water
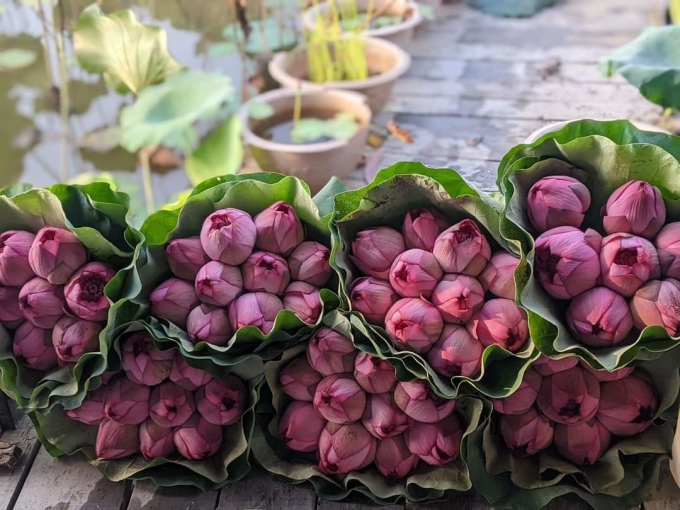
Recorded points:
(510,8)
(267,36)
(260,110)
(340,127)
(16,58)
(221,153)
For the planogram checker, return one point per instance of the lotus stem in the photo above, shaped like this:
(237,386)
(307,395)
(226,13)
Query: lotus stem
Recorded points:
(147,183)
(64,105)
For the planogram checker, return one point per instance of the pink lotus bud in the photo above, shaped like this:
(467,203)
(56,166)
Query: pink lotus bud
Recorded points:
(627,406)
(15,270)
(257,309)
(557,201)
(372,298)
(108,376)
(186,376)
(218,284)
(413,324)
(582,443)
(526,434)
(329,352)
(171,405)
(604,375)
(84,292)
(546,366)
(41,302)
(626,262)
(91,411)
(197,438)
(173,300)
(568,261)
(421,228)
(462,249)
(265,272)
(456,353)
(637,208)
(127,402)
(500,322)
(523,398)
(339,399)
(10,313)
(419,402)
(56,254)
(382,418)
(72,337)
(668,247)
(435,443)
(298,380)
(279,230)
(228,235)
(186,257)
(393,458)
(569,396)
(304,300)
(415,273)
(345,448)
(458,297)
(222,401)
(373,374)
(33,347)
(657,304)
(156,441)
(498,276)
(116,440)
(208,323)
(374,251)
(309,263)
(599,317)
(301,426)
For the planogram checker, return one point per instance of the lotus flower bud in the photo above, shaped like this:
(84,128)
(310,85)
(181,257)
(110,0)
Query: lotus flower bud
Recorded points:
(500,322)
(222,401)
(637,208)
(91,410)
(73,337)
(668,247)
(462,249)
(228,235)
(526,434)
(218,284)
(568,261)
(626,262)
(108,376)
(197,438)
(257,309)
(421,228)
(84,292)
(415,273)
(185,257)
(374,251)
(599,317)
(171,405)
(523,398)
(116,440)
(557,201)
(435,443)
(309,263)
(582,443)
(56,254)
(304,300)
(546,366)
(382,418)
(372,298)
(373,374)
(345,448)
(329,352)
(498,276)
(298,380)
(456,353)
(41,302)
(127,402)
(15,269)
(10,313)
(339,399)
(656,304)
(279,230)
(173,300)
(569,396)
(604,375)
(393,458)
(627,406)
(458,297)
(186,376)
(208,323)
(419,402)
(156,441)
(265,272)
(413,324)
(33,347)
(301,426)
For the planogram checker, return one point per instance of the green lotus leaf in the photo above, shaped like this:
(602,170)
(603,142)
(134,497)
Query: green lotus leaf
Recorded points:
(220,153)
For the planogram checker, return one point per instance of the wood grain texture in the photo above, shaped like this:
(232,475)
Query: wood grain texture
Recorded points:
(147,496)
(259,491)
(666,496)
(11,482)
(341,505)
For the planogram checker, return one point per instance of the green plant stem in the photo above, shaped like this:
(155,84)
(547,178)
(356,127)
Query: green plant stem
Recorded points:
(147,183)
(64,103)
(297,107)
(45,42)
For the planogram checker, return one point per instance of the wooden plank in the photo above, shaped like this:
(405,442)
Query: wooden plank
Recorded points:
(666,495)
(12,481)
(259,491)
(147,496)
(467,501)
(363,504)
(7,416)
